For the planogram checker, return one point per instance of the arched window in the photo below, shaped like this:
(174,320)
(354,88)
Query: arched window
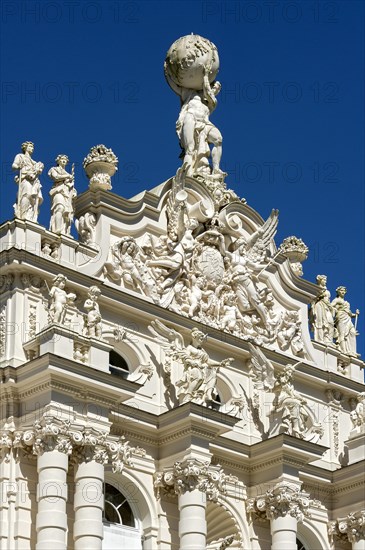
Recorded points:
(118,365)
(300,545)
(117,508)
(121,528)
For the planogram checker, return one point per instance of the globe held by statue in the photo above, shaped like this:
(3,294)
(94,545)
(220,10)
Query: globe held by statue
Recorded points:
(187,60)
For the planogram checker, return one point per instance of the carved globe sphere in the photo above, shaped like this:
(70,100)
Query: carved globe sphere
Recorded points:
(186,60)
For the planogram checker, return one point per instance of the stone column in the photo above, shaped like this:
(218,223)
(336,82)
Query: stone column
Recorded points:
(194,482)
(284,506)
(52,447)
(51,524)
(283,532)
(192,523)
(89,497)
(6,460)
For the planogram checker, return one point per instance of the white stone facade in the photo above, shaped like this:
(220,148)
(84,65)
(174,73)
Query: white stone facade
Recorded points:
(160,387)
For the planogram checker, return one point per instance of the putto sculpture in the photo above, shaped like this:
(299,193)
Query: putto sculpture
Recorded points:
(60,299)
(29,196)
(92,320)
(191,66)
(62,194)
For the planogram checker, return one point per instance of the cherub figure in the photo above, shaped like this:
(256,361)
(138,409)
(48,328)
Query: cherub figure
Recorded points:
(129,265)
(60,299)
(231,315)
(93,326)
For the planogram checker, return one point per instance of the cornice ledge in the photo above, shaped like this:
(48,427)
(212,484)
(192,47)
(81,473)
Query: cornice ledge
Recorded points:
(197,419)
(75,377)
(287,448)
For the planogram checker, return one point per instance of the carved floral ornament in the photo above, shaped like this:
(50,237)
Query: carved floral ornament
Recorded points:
(190,475)
(83,443)
(281,501)
(351,527)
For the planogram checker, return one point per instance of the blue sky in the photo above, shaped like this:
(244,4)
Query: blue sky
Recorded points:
(77,73)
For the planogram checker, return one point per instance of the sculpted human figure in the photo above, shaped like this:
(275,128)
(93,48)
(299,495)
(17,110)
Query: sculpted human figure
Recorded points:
(200,371)
(290,404)
(59,299)
(194,129)
(128,265)
(322,314)
(230,314)
(358,415)
(29,196)
(62,195)
(93,318)
(345,330)
(243,280)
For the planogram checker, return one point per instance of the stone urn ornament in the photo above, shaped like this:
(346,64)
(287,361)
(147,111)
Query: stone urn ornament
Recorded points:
(296,251)
(100,165)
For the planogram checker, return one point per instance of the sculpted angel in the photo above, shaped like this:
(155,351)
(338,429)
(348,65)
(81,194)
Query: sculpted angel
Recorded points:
(296,419)
(243,262)
(199,378)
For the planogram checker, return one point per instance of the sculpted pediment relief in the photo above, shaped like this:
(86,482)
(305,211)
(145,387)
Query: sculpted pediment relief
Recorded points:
(205,259)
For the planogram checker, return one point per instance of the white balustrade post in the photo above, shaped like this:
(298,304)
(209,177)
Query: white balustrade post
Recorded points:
(192,524)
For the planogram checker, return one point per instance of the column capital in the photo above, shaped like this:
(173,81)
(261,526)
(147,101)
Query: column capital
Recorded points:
(281,501)
(189,475)
(84,443)
(351,527)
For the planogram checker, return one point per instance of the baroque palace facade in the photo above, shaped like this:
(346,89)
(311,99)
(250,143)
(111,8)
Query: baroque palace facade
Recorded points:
(160,388)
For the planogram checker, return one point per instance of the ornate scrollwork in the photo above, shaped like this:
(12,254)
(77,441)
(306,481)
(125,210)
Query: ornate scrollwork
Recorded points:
(281,501)
(83,443)
(191,475)
(351,527)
